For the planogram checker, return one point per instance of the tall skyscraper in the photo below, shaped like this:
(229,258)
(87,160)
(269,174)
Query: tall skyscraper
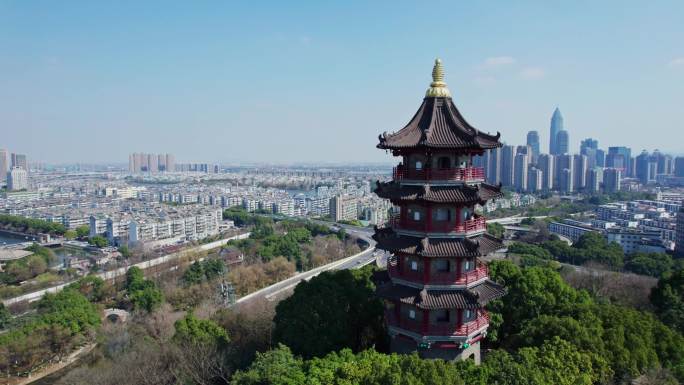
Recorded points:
(664,163)
(600,158)
(3,164)
(589,147)
(588,143)
(566,181)
(152,163)
(507,165)
(161,162)
(679,166)
(533,142)
(556,127)
(19,160)
(131,163)
(619,157)
(612,178)
(546,165)
(535,179)
(520,173)
(142,162)
(563,162)
(594,179)
(563,142)
(491,161)
(580,171)
(644,171)
(170,163)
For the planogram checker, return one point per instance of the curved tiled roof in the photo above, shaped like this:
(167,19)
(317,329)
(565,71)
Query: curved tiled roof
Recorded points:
(438,194)
(478,246)
(438,124)
(472,298)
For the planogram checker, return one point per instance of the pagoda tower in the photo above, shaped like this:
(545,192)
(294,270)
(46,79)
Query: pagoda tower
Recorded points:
(436,289)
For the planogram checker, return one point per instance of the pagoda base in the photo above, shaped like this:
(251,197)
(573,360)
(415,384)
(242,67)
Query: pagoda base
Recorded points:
(450,352)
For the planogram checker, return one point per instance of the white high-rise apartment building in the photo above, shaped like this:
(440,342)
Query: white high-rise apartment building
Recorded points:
(17,179)
(3,164)
(520,171)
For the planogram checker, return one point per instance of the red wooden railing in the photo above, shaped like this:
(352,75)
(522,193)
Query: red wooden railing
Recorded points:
(438,278)
(474,224)
(450,278)
(465,174)
(440,329)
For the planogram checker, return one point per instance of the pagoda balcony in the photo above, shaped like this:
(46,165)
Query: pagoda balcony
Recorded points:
(466,174)
(437,277)
(476,224)
(438,329)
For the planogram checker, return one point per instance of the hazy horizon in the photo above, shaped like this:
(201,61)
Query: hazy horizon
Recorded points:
(306,83)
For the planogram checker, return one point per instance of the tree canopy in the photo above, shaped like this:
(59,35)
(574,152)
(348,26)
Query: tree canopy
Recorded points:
(334,310)
(199,331)
(143,293)
(668,300)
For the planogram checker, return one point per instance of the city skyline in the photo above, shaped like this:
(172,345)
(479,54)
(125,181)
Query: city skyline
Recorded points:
(184,83)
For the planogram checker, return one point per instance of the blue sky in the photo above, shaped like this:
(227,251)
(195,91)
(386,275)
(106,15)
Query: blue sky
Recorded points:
(318,81)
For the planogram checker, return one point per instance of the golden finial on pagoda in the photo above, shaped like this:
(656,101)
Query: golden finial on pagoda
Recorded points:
(438,88)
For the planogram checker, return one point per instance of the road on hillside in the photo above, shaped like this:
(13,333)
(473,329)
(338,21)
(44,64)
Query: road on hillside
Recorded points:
(357,261)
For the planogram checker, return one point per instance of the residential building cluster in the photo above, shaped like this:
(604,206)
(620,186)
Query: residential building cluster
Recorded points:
(166,208)
(637,226)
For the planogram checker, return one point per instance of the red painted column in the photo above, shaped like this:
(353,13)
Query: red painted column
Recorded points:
(426,320)
(459,318)
(403,213)
(459,261)
(426,270)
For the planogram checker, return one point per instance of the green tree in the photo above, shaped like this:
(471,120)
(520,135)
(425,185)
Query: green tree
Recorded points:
(334,310)
(197,331)
(532,292)
(143,293)
(92,287)
(68,309)
(556,361)
(125,251)
(275,367)
(528,249)
(149,298)
(98,241)
(668,299)
(134,278)
(5,316)
(213,268)
(496,229)
(194,274)
(70,234)
(653,264)
(82,231)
